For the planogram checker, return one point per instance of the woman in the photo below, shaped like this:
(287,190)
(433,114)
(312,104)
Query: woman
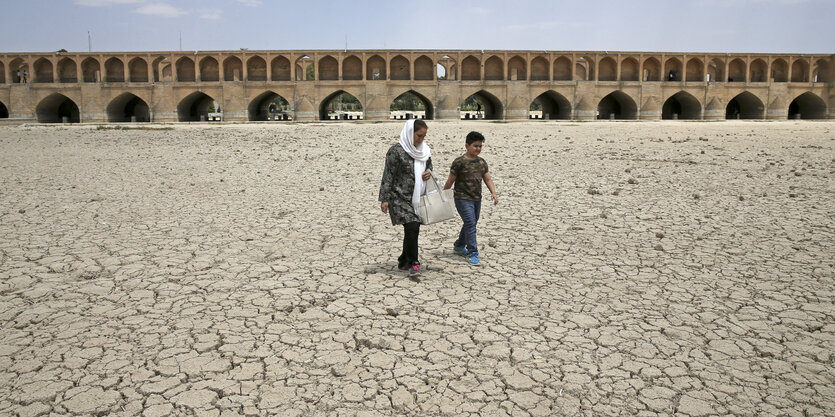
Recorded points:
(407,167)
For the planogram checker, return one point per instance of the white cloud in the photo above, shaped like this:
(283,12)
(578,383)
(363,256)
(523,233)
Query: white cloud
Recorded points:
(252,3)
(160,9)
(99,3)
(211,14)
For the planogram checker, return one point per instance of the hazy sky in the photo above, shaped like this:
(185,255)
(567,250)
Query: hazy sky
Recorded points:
(800,26)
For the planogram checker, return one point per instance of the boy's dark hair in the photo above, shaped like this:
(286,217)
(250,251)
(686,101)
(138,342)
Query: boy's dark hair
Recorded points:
(474,137)
(419,124)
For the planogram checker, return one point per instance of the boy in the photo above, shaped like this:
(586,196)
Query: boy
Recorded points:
(466,173)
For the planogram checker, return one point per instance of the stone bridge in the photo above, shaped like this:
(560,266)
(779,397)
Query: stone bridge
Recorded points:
(181,86)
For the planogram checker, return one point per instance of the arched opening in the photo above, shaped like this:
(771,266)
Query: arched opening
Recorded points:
(617,106)
(481,105)
(694,69)
(807,106)
(716,71)
(114,70)
(138,69)
(256,69)
(517,70)
(745,106)
(43,71)
(18,71)
(57,108)
(588,68)
(423,69)
(270,106)
(233,69)
(280,69)
(196,107)
(157,69)
(128,108)
(629,70)
(779,71)
(822,73)
(672,70)
(400,68)
(328,69)
(411,105)
(185,70)
(607,69)
(446,68)
(681,105)
(305,69)
(441,72)
(562,69)
(652,70)
(4,112)
(539,69)
(470,69)
(375,68)
(209,69)
(494,69)
(340,105)
(800,71)
(91,70)
(552,106)
(67,72)
(2,73)
(759,71)
(352,68)
(736,71)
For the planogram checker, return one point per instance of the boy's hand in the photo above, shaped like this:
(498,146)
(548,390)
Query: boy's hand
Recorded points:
(495,198)
(426,175)
(384,206)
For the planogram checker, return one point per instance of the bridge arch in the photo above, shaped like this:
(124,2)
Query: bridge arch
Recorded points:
(4,111)
(233,69)
(410,95)
(494,68)
(185,70)
(399,68)
(562,69)
(209,69)
(693,71)
(517,69)
(424,68)
(539,69)
(18,65)
(745,106)
(681,105)
(759,71)
(375,68)
(91,70)
(194,107)
(114,70)
(352,68)
(67,72)
(127,106)
(800,71)
(607,69)
(280,67)
(716,71)
(55,107)
(138,70)
(491,106)
(779,70)
(267,104)
(617,105)
(161,67)
(554,105)
(43,71)
(672,70)
(822,72)
(256,69)
(629,69)
(652,70)
(736,71)
(340,101)
(807,106)
(328,68)
(2,73)
(470,69)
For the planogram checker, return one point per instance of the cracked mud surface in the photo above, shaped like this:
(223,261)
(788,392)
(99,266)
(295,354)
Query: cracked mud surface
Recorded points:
(630,269)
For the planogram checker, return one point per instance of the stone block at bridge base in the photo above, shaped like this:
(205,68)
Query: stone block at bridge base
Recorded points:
(447,114)
(714,115)
(650,115)
(585,115)
(376,115)
(777,114)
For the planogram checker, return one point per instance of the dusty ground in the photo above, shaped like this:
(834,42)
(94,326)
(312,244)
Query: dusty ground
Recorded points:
(630,268)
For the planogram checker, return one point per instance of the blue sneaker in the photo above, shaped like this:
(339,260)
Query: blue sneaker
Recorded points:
(473,259)
(460,250)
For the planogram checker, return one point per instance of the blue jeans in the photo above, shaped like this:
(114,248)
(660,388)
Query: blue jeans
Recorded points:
(469,211)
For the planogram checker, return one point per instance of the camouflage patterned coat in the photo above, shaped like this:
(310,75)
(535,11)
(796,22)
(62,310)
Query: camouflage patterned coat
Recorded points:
(398,184)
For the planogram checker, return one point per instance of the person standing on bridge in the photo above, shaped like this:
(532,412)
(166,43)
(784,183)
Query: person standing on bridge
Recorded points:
(408,163)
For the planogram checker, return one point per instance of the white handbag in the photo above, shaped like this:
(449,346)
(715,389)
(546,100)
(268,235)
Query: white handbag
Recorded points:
(436,204)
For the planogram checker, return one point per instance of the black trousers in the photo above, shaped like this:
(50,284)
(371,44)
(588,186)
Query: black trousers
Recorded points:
(409,255)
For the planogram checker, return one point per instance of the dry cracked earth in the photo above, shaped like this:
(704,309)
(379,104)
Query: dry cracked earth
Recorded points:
(640,268)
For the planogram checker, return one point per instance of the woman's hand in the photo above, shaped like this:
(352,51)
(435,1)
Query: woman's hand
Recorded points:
(426,175)
(384,206)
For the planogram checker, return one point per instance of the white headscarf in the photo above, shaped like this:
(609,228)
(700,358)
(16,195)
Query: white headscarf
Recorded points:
(420,154)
